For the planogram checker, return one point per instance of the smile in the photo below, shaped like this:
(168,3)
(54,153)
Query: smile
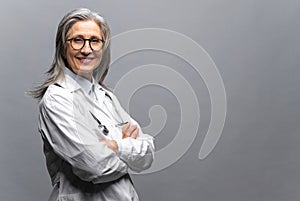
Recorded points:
(85,60)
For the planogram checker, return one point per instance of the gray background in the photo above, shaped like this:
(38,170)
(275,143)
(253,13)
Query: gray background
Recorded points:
(255,45)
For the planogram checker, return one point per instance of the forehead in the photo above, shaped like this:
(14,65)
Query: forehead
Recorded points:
(85,28)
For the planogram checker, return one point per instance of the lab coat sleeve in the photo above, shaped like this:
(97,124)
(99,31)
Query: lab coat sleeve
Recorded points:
(137,153)
(72,141)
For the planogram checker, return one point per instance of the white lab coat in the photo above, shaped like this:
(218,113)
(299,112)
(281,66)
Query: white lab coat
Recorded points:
(82,168)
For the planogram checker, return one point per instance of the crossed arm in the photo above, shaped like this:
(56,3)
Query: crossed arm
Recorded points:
(91,160)
(128,130)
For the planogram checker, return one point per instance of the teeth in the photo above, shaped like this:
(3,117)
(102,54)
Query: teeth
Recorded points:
(85,60)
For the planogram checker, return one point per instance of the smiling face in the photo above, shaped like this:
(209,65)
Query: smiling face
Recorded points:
(85,60)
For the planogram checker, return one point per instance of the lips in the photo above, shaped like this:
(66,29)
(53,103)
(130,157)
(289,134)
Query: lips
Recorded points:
(85,60)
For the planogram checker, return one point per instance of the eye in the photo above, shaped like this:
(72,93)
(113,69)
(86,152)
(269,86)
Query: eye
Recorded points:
(95,40)
(77,40)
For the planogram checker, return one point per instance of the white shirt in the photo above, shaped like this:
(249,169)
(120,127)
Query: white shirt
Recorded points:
(82,168)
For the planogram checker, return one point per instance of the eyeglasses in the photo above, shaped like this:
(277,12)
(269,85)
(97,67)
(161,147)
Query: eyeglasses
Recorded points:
(78,43)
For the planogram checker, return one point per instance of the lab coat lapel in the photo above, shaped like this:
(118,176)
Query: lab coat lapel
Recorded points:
(84,103)
(119,114)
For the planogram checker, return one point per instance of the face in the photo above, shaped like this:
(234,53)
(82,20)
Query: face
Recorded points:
(83,61)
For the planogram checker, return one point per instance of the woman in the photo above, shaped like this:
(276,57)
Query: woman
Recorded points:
(90,142)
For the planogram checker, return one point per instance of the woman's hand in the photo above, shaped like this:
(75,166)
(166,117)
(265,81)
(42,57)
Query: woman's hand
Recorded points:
(130,131)
(127,131)
(111,144)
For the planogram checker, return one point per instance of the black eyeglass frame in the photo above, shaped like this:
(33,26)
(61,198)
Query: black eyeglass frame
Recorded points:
(84,39)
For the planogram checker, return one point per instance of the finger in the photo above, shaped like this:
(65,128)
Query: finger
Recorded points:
(125,129)
(132,129)
(135,133)
(129,131)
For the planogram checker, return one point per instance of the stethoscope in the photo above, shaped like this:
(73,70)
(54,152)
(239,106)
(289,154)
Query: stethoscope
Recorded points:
(103,128)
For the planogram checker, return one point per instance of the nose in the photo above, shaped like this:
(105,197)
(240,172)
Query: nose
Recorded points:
(86,49)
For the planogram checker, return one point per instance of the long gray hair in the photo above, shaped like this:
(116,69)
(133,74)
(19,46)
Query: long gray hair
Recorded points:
(56,71)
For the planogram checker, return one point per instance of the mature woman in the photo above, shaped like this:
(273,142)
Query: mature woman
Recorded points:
(90,141)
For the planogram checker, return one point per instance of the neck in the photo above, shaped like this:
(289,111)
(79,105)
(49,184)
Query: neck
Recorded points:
(87,76)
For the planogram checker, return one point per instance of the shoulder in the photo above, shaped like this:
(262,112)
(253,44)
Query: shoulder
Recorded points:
(56,95)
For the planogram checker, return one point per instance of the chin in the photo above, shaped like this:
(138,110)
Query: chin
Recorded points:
(86,69)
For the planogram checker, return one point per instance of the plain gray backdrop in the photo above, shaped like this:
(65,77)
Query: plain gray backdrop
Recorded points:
(255,45)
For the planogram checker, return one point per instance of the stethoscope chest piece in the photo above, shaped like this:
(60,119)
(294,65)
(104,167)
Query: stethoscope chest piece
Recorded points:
(102,127)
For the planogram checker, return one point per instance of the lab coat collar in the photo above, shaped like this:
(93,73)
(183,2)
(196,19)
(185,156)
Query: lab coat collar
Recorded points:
(86,85)
(75,82)
(72,85)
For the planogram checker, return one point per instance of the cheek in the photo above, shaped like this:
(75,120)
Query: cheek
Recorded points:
(70,57)
(98,61)
(99,57)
